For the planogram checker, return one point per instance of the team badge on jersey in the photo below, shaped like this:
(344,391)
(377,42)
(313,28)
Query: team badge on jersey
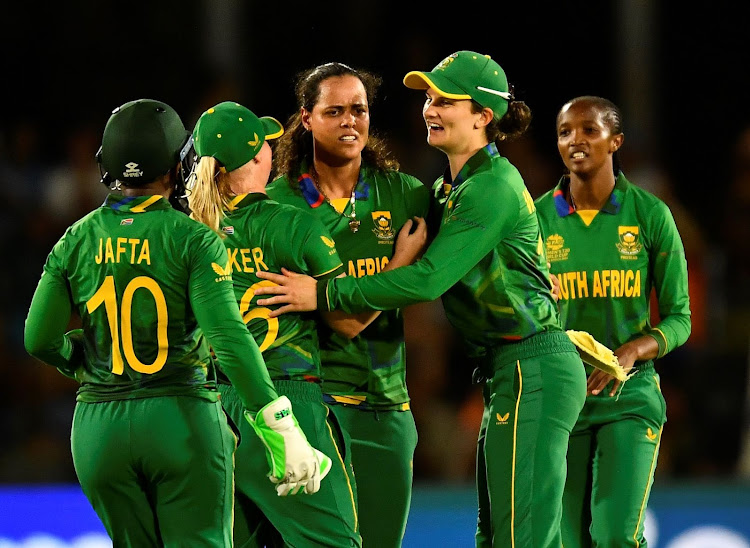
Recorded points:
(629,243)
(383,226)
(556,250)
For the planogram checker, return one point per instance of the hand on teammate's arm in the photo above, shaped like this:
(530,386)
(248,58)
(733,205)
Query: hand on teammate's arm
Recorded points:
(411,243)
(640,349)
(349,325)
(297,292)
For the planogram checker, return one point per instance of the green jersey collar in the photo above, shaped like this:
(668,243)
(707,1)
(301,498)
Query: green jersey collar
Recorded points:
(612,206)
(136,204)
(480,158)
(244,200)
(315,198)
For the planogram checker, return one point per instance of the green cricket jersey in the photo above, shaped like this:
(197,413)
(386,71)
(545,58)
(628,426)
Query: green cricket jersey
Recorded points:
(148,282)
(370,369)
(607,268)
(486,260)
(262,234)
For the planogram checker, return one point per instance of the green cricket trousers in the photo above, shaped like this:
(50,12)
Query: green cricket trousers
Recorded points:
(534,393)
(158,471)
(611,463)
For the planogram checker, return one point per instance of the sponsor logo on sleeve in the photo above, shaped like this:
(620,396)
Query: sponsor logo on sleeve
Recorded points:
(224,273)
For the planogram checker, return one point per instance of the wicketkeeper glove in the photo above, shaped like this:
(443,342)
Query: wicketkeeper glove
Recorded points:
(295,465)
(596,354)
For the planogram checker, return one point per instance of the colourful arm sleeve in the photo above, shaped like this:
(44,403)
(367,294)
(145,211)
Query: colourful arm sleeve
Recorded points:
(671,283)
(473,228)
(212,298)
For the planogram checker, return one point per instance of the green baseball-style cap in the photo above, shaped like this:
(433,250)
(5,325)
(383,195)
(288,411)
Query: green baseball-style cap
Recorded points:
(142,140)
(232,134)
(466,75)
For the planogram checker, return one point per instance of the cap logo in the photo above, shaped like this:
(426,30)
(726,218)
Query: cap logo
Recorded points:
(255,140)
(447,61)
(131,170)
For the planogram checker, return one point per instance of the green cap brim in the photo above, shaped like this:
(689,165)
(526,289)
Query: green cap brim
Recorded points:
(436,81)
(273,128)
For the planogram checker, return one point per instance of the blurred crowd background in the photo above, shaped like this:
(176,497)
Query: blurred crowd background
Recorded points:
(680,74)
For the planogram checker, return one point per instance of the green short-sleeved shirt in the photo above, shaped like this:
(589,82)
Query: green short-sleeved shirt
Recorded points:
(262,234)
(370,369)
(608,268)
(148,283)
(486,260)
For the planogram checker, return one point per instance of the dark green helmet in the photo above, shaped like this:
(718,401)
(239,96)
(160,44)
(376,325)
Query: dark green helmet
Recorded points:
(142,140)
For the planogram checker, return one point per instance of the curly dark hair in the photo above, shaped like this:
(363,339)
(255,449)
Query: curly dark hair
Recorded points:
(296,145)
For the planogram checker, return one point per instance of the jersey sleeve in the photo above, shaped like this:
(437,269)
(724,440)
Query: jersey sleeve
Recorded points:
(417,197)
(669,267)
(49,315)
(321,257)
(483,213)
(215,308)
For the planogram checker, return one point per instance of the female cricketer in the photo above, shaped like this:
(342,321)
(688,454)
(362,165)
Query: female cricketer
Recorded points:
(260,234)
(611,244)
(488,263)
(332,167)
(151,445)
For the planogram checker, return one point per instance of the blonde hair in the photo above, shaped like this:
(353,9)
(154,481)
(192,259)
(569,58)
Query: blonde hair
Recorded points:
(210,195)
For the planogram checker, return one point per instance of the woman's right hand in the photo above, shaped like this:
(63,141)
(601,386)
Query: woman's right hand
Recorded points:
(410,244)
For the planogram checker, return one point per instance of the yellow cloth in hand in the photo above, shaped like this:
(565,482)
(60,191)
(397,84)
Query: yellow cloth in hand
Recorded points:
(596,354)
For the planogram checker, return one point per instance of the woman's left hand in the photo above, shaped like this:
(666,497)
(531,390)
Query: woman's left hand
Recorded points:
(297,292)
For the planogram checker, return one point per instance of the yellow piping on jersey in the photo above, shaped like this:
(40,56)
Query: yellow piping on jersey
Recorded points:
(142,207)
(666,344)
(648,488)
(302,351)
(513,474)
(328,297)
(346,473)
(503,309)
(329,271)
(352,400)
(232,205)
(487,281)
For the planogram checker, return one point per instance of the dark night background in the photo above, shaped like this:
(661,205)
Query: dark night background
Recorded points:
(681,76)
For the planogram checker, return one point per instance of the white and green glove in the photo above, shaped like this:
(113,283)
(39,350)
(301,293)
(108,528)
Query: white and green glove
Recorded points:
(296,466)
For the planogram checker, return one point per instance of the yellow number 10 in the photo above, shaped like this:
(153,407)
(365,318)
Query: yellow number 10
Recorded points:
(106,294)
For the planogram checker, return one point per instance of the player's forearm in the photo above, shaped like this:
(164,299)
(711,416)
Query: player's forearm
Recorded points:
(236,350)
(46,323)
(643,348)
(384,291)
(242,362)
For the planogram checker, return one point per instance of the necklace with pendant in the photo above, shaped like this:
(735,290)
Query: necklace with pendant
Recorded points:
(353,221)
